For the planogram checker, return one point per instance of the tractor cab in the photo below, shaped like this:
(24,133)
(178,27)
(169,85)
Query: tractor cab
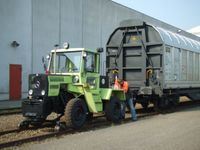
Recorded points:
(76,62)
(77,66)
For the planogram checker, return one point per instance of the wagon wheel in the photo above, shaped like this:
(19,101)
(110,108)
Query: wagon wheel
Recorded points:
(162,105)
(145,105)
(75,113)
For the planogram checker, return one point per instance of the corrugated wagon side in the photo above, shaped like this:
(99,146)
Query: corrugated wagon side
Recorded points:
(159,65)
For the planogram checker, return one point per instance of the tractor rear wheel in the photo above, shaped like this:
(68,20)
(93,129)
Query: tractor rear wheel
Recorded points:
(113,110)
(75,113)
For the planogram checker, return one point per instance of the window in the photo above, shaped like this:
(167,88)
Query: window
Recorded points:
(65,62)
(90,62)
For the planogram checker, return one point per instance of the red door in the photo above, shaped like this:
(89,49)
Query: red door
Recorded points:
(15,81)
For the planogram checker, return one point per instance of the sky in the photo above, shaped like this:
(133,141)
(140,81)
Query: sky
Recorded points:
(184,14)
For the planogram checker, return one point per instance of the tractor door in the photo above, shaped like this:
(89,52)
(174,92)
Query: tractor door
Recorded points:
(92,77)
(92,72)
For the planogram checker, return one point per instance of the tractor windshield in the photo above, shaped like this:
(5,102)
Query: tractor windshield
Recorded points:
(65,62)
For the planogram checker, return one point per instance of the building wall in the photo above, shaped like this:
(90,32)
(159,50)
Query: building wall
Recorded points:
(45,31)
(15,25)
(40,24)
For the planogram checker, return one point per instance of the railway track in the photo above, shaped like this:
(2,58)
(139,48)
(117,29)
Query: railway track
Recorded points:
(97,123)
(10,111)
(17,130)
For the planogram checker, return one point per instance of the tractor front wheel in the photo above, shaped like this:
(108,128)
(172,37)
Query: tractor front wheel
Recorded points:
(75,113)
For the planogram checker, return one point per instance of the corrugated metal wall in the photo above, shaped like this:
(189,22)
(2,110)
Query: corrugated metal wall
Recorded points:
(39,24)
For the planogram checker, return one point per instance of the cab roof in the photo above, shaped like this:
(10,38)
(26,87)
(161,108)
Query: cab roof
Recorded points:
(74,50)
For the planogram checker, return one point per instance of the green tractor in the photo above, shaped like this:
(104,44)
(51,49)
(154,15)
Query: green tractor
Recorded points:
(73,88)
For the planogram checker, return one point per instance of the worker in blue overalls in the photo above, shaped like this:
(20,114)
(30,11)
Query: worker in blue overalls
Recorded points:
(129,100)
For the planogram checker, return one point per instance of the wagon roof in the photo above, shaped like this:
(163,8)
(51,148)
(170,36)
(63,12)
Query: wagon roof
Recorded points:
(177,40)
(168,37)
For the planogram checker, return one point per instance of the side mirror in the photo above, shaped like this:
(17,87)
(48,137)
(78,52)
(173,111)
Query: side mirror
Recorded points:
(45,61)
(100,50)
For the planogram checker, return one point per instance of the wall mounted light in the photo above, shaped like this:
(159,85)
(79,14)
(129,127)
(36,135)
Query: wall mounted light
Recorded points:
(56,45)
(15,44)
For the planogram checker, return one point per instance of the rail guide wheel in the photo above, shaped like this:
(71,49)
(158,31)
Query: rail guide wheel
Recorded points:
(24,124)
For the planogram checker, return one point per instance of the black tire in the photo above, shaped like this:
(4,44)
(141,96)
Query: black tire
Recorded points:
(23,125)
(89,116)
(113,110)
(145,105)
(163,105)
(75,113)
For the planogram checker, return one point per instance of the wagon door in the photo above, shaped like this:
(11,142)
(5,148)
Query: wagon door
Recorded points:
(131,61)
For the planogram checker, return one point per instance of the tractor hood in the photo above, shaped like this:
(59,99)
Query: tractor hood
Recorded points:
(38,85)
(41,85)
(55,81)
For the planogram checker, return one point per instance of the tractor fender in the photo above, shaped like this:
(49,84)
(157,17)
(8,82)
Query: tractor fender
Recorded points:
(107,93)
(89,100)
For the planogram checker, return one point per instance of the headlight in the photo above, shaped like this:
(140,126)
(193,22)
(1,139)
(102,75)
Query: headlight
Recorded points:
(30,92)
(76,79)
(43,92)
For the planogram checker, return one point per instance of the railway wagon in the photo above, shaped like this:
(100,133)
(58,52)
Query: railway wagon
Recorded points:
(159,65)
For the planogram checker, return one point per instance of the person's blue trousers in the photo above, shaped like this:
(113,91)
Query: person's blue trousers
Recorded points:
(132,109)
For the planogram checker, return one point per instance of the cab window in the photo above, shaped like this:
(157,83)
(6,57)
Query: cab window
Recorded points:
(90,62)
